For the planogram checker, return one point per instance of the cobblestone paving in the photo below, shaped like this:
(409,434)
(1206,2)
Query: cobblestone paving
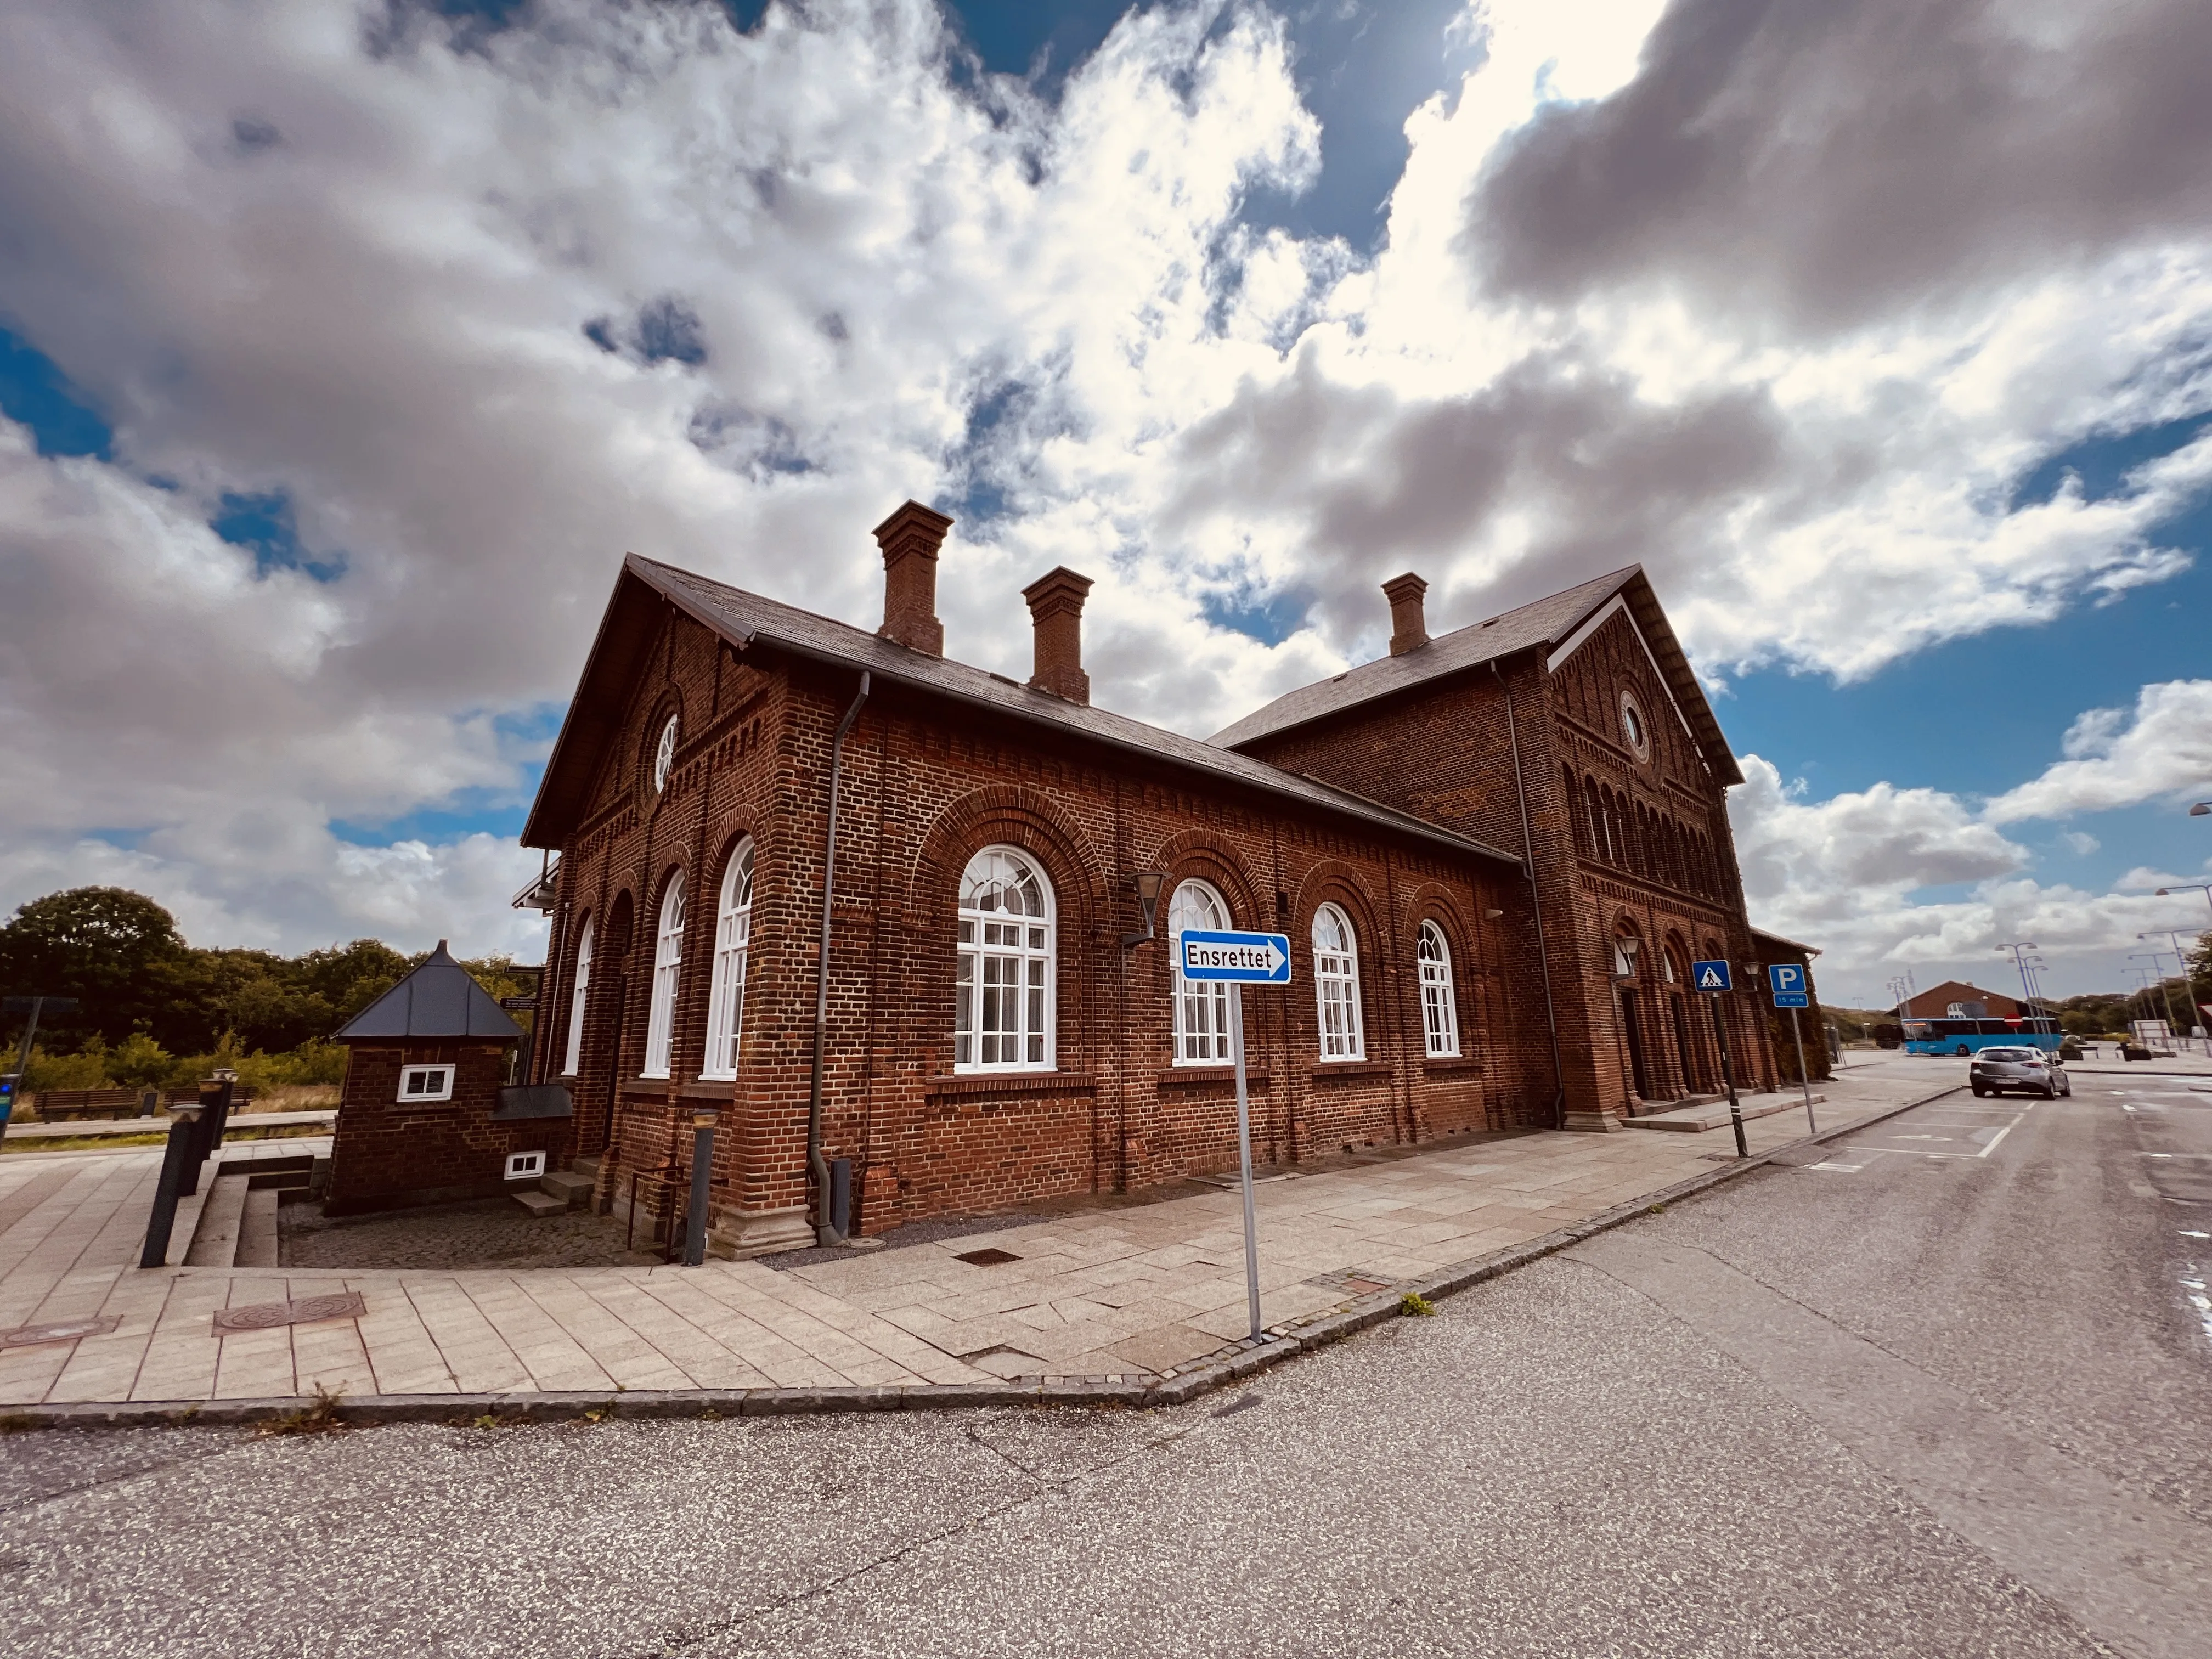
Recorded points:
(493,1232)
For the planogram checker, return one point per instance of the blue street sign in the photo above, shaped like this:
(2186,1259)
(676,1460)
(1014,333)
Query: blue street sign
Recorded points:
(1787,980)
(1245,958)
(1710,976)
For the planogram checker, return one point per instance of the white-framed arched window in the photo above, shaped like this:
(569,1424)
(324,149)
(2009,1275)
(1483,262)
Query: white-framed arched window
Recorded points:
(1004,1017)
(576,992)
(726,993)
(1336,985)
(1439,1010)
(1201,1007)
(667,962)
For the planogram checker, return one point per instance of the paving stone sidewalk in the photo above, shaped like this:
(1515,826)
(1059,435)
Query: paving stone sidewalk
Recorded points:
(1126,1294)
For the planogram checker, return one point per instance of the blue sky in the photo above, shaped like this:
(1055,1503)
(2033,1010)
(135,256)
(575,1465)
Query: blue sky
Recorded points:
(335,444)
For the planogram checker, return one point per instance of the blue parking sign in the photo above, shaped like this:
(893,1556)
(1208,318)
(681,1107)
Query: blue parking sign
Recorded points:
(1787,980)
(1710,976)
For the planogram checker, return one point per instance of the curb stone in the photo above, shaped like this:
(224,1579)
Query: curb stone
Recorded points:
(660,1404)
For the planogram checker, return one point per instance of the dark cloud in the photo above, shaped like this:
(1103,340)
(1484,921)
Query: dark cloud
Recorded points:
(1604,477)
(1834,159)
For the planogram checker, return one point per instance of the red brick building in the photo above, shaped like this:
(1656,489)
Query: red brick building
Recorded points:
(1495,853)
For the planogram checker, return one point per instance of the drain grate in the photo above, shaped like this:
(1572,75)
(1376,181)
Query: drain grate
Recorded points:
(67,1330)
(991,1257)
(270,1315)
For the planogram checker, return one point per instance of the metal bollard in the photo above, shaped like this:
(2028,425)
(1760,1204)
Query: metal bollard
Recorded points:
(840,1196)
(184,1131)
(702,1171)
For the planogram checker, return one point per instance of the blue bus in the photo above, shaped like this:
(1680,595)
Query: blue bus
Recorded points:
(1967,1037)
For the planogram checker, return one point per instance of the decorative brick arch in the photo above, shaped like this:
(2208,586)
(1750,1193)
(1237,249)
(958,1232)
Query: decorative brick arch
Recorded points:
(1200,855)
(1432,901)
(1010,816)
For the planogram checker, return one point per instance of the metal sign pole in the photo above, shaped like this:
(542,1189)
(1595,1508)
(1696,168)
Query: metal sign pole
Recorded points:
(1804,1079)
(1244,1156)
(1728,1076)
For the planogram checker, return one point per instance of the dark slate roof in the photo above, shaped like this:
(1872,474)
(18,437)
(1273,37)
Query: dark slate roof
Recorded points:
(742,617)
(1760,934)
(440,998)
(1544,623)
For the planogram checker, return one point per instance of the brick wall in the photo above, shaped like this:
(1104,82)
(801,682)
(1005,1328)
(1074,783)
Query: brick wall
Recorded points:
(926,786)
(387,1155)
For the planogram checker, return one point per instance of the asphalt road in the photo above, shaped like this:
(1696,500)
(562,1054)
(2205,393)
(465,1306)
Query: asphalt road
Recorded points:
(1942,1391)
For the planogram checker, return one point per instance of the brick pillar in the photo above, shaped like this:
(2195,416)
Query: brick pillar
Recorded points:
(910,539)
(1056,609)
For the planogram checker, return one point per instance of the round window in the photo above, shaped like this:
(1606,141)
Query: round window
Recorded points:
(1632,727)
(664,757)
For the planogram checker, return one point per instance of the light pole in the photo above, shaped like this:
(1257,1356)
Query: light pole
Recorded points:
(2188,979)
(2157,960)
(2204,887)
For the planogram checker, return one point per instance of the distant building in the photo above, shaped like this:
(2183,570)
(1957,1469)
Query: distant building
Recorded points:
(1956,1000)
(1495,853)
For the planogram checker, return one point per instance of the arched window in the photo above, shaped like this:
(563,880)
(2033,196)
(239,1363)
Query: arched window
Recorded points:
(667,960)
(583,980)
(1201,1008)
(1336,985)
(725,994)
(1439,1012)
(1003,1021)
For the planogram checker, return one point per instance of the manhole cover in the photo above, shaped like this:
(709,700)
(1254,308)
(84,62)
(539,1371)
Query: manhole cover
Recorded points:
(986,1258)
(67,1330)
(269,1316)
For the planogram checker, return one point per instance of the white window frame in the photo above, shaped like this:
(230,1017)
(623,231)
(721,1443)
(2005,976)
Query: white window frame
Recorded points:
(1201,1007)
(576,998)
(667,971)
(1336,988)
(991,943)
(524,1166)
(1439,999)
(725,994)
(440,1089)
(663,757)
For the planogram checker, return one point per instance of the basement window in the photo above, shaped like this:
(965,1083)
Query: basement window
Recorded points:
(418,1083)
(524,1166)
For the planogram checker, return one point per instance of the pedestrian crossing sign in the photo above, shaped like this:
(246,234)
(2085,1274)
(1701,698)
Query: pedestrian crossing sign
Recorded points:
(1710,975)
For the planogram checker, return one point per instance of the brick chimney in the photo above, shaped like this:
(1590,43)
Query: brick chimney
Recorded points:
(1056,607)
(1408,632)
(909,540)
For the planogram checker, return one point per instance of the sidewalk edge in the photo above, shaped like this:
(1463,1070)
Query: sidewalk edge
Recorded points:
(505,1409)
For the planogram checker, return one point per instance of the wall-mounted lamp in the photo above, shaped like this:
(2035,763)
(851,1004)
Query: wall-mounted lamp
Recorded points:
(1624,958)
(1491,915)
(1149,885)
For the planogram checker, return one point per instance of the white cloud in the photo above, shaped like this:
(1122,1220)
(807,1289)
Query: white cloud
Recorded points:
(318,249)
(2160,751)
(2081,844)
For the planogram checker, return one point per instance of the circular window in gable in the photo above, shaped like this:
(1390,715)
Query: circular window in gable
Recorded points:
(1633,727)
(664,757)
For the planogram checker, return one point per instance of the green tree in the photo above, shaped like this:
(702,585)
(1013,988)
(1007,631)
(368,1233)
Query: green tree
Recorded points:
(110,948)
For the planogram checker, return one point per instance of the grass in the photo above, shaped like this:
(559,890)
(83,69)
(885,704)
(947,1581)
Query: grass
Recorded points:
(1414,1305)
(320,1418)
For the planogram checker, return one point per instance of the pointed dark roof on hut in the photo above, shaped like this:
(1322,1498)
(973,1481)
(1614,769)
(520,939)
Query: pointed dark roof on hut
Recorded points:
(440,998)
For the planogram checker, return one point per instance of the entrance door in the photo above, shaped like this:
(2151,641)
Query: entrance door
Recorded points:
(1629,1025)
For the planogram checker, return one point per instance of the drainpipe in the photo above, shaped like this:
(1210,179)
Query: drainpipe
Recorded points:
(817,1167)
(1536,900)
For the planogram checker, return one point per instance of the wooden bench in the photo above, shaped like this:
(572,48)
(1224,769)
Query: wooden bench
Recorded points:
(68,1105)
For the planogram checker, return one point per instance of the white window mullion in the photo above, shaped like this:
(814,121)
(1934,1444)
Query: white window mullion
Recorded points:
(667,962)
(726,993)
(576,1000)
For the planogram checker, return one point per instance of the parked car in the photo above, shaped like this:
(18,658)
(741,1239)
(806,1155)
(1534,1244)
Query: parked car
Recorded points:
(2030,1071)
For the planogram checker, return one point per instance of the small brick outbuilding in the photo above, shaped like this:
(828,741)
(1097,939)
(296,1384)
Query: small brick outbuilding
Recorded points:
(427,1116)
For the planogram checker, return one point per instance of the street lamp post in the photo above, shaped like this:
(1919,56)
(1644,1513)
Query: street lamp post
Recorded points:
(2157,960)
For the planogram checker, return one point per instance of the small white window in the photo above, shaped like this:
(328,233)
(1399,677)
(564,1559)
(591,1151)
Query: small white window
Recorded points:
(667,960)
(1336,985)
(524,1166)
(1439,1015)
(664,757)
(1003,1015)
(1201,1007)
(726,996)
(576,1000)
(426,1083)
